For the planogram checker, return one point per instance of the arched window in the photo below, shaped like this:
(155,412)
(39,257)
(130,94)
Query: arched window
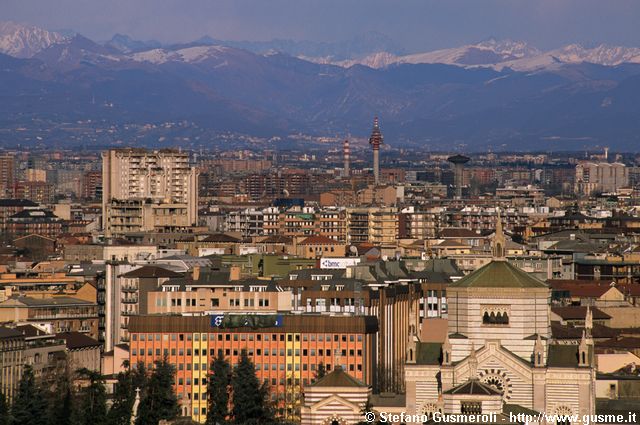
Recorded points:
(429,409)
(584,357)
(495,316)
(563,413)
(410,354)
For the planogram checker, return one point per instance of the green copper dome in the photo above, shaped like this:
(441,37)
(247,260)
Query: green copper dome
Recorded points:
(498,274)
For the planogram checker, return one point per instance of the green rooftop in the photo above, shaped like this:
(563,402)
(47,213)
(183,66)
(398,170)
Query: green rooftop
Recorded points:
(338,378)
(499,274)
(429,353)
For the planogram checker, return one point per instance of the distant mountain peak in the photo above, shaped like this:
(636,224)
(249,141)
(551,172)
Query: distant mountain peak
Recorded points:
(125,44)
(24,41)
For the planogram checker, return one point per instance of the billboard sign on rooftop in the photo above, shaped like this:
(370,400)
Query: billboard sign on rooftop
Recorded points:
(338,263)
(226,321)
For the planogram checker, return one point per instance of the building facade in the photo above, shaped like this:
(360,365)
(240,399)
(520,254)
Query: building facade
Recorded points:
(148,190)
(600,177)
(286,350)
(7,175)
(498,353)
(12,346)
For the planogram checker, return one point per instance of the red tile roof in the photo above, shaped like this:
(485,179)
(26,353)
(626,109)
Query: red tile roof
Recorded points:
(579,313)
(76,340)
(458,233)
(581,288)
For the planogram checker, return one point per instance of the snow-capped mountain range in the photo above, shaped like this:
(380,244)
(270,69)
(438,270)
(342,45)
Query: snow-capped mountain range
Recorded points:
(25,41)
(193,54)
(498,55)
(482,94)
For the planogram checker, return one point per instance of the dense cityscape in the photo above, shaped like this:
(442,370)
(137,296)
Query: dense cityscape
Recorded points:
(228,212)
(387,278)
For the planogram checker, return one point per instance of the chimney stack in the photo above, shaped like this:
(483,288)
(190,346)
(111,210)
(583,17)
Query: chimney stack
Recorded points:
(195,274)
(234,273)
(347,157)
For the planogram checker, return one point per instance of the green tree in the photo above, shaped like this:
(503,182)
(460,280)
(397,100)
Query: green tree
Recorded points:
(30,404)
(62,407)
(218,391)
(250,398)
(292,399)
(140,377)
(92,401)
(120,412)
(367,408)
(5,416)
(61,399)
(322,370)
(159,401)
(124,394)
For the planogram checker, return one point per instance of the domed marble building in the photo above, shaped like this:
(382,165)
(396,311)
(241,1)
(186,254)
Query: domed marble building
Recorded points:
(498,355)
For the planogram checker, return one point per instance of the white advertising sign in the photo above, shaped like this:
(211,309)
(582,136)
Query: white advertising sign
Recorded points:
(338,263)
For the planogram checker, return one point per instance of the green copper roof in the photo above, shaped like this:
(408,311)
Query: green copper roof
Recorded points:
(338,378)
(499,274)
(561,355)
(429,353)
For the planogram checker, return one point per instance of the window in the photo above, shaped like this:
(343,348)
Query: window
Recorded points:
(495,316)
(471,407)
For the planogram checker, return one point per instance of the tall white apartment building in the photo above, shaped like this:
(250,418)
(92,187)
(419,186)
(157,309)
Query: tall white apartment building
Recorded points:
(600,177)
(147,190)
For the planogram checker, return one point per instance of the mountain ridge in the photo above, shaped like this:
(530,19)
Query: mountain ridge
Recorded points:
(499,54)
(222,90)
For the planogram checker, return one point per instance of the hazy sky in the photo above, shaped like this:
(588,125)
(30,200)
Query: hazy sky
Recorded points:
(415,24)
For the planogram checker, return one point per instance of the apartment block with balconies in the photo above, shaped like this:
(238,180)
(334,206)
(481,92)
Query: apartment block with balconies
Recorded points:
(64,314)
(148,190)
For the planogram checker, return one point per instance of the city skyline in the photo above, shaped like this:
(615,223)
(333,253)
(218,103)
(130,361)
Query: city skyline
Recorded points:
(308,212)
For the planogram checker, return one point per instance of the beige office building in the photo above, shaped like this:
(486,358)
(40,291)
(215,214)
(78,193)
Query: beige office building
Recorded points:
(600,177)
(7,175)
(148,190)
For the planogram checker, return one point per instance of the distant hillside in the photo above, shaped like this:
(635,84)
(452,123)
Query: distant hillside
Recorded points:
(227,89)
